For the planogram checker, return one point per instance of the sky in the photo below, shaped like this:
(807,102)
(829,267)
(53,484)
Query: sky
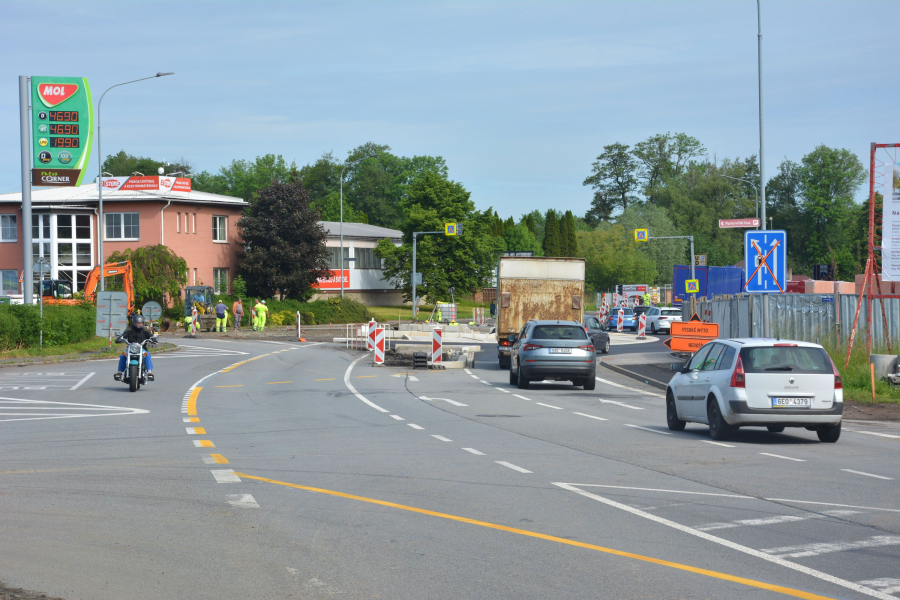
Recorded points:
(519,98)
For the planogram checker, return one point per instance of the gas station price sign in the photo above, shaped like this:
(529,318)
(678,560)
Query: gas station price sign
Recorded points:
(62,122)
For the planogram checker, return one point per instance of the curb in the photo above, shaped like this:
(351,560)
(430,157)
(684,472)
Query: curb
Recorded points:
(53,360)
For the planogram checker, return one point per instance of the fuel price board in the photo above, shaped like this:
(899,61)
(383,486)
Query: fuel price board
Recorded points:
(62,119)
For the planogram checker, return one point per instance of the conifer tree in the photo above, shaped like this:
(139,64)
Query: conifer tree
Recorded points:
(551,244)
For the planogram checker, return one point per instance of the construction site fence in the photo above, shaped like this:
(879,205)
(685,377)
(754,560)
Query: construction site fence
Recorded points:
(818,318)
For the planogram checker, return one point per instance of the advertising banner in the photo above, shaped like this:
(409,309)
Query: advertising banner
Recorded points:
(62,125)
(890,243)
(151,184)
(334,281)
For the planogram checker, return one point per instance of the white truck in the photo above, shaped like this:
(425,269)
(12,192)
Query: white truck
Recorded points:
(536,288)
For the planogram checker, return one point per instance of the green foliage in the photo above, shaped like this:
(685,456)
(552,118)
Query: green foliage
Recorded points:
(614,180)
(663,254)
(551,244)
(246,179)
(21,325)
(283,246)
(662,158)
(239,287)
(124,164)
(332,310)
(520,239)
(10,331)
(330,210)
(159,273)
(612,258)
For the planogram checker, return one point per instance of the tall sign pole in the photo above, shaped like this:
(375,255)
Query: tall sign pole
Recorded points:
(762,157)
(25,135)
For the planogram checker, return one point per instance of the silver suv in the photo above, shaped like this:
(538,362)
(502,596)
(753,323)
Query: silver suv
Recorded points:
(556,350)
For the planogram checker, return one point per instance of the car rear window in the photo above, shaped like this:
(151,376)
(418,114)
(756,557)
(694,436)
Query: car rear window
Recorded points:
(627,312)
(670,312)
(786,359)
(559,332)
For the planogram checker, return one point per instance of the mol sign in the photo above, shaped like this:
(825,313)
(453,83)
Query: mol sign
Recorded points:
(62,125)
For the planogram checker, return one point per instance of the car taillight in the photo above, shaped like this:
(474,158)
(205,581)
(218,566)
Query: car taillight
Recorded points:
(664,318)
(737,378)
(785,346)
(838,382)
(504,342)
(587,348)
(531,347)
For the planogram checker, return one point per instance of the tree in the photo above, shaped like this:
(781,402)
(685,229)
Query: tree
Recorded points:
(571,240)
(663,255)
(611,258)
(519,238)
(663,157)
(465,262)
(283,247)
(124,164)
(528,221)
(246,179)
(551,245)
(614,181)
(330,210)
(159,274)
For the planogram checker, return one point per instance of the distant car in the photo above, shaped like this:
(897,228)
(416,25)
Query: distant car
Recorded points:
(758,383)
(598,332)
(557,350)
(628,319)
(659,318)
(640,310)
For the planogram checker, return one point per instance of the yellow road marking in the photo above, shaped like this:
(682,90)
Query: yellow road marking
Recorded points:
(194,420)
(240,385)
(365,376)
(329,379)
(192,402)
(206,444)
(273,382)
(244,362)
(221,460)
(552,538)
(199,430)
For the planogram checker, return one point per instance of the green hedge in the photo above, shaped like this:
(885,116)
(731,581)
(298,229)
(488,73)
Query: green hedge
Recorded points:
(20,325)
(332,310)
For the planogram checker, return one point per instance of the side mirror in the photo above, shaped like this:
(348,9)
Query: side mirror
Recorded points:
(511,338)
(678,367)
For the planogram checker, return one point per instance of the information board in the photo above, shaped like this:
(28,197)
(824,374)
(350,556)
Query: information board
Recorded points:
(62,124)
(112,313)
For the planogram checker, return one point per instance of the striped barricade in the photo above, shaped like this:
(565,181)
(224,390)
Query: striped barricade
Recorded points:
(437,345)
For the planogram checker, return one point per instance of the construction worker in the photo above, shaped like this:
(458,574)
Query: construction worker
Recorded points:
(221,316)
(238,310)
(254,315)
(437,315)
(261,310)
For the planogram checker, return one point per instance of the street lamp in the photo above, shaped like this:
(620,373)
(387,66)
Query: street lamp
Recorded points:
(101,225)
(341,266)
(755,190)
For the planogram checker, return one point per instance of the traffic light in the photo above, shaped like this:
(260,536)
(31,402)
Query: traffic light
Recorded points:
(620,290)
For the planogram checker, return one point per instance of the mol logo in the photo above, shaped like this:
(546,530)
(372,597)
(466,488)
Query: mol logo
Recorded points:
(111,183)
(52,94)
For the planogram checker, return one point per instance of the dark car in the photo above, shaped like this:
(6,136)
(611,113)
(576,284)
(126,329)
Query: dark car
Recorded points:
(640,310)
(598,333)
(556,350)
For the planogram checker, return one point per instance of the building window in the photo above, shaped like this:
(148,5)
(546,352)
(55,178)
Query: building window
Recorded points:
(194,222)
(336,257)
(9,282)
(220,225)
(122,226)
(40,227)
(177,222)
(220,281)
(8,228)
(366,259)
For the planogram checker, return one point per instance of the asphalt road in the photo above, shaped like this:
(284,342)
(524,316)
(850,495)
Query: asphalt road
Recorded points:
(278,470)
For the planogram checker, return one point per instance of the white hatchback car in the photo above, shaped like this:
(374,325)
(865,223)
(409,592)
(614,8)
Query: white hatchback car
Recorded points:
(659,318)
(757,382)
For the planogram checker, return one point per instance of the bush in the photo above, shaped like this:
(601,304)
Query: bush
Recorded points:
(9,332)
(62,325)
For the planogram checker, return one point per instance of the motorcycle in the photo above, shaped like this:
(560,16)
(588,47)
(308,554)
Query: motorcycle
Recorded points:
(135,374)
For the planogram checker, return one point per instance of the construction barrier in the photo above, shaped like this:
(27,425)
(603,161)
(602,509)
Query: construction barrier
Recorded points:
(478,316)
(437,345)
(379,345)
(370,335)
(620,322)
(300,328)
(356,336)
(642,327)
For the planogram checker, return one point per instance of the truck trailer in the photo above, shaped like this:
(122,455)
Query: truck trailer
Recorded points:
(536,288)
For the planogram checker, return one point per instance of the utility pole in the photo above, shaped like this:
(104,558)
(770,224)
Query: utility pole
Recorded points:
(25,135)
(412,279)
(762,159)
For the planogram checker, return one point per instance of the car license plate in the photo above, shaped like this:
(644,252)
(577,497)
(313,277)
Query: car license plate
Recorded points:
(560,351)
(791,402)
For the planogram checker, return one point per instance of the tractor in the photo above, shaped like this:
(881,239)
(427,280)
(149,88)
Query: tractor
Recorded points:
(201,297)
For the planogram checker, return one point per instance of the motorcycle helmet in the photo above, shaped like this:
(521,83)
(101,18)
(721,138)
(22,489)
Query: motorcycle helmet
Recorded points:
(137,321)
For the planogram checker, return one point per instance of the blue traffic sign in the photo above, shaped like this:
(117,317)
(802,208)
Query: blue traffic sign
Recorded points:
(765,261)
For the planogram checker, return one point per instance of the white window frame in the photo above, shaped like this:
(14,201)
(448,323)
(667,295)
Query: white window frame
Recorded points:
(15,219)
(216,288)
(121,237)
(223,229)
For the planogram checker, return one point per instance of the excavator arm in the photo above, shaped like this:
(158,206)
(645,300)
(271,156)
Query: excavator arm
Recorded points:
(108,270)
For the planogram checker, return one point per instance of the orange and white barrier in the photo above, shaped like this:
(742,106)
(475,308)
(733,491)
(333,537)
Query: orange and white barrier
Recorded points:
(437,345)
(379,345)
(620,322)
(642,327)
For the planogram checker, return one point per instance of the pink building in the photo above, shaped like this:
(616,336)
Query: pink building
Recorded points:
(139,211)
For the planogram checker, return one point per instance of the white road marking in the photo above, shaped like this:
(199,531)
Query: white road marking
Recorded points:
(353,389)
(757,522)
(16,380)
(784,457)
(522,397)
(896,510)
(208,460)
(242,500)
(199,445)
(729,544)
(621,404)
(504,391)
(78,385)
(648,429)
(474,451)
(590,416)
(453,402)
(414,426)
(868,474)
(888,585)
(191,430)
(512,466)
(475,377)
(717,443)
(413,378)
(468,372)
(37,410)
(398,417)
(442,438)
(887,435)
(841,513)
(816,549)
(486,383)
(549,405)
(625,387)
(643,489)
(225,476)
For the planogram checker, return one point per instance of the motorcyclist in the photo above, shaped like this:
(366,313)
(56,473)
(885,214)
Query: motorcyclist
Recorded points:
(136,333)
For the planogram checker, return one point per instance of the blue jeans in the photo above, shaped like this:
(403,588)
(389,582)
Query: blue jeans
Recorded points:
(147,361)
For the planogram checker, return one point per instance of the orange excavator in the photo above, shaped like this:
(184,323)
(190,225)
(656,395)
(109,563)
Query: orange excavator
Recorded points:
(59,291)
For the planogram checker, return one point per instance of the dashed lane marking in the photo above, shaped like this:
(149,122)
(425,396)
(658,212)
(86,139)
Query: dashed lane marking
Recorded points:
(468,372)
(453,402)
(475,377)
(274,382)
(191,419)
(365,376)
(522,397)
(533,534)
(717,443)
(887,435)
(474,451)
(241,500)
(353,389)
(414,426)
(817,549)
(398,417)
(195,430)
(486,383)
(780,456)
(504,391)
(758,522)
(868,474)
(225,476)
(413,378)
(625,387)
(442,438)
(622,404)
(219,459)
(648,429)
(328,379)
(204,444)
(590,416)
(549,405)
(512,466)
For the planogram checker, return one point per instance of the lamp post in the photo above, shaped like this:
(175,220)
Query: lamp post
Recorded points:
(101,226)
(762,156)
(342,260)
(755,190)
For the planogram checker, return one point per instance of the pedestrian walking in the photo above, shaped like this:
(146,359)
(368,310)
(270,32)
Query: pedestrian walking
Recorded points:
(493,308)
(221,317)
(238,310)
(262,311)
